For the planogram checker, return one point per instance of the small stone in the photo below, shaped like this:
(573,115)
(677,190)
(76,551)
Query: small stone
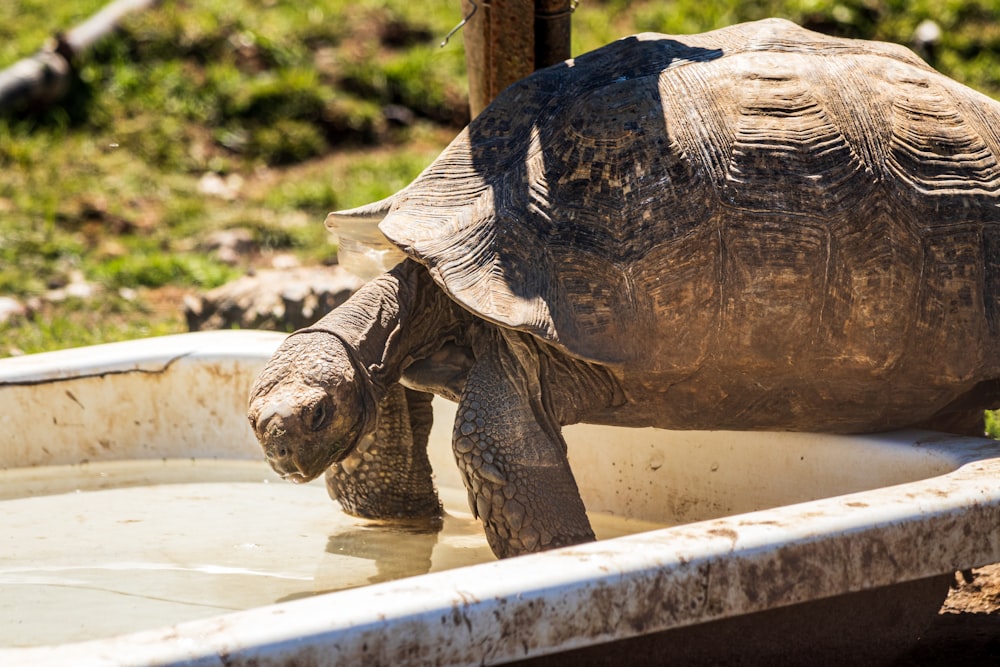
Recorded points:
(398,115)
(11,308)
(80,290)
(230,245)
(285,261)
(224,187)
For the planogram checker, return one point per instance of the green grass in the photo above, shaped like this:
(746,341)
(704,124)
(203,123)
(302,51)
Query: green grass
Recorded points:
(108,184)
(78,322)
(993,424)
(26,24)
(288,96)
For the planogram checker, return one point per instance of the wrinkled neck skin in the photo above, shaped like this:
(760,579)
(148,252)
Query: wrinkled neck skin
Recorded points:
(398,318)
(402,328)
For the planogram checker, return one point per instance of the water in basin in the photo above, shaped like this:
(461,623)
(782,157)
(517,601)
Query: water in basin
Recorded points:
(100,549)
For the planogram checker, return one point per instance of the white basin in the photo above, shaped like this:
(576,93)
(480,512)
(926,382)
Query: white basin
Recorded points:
(140,526)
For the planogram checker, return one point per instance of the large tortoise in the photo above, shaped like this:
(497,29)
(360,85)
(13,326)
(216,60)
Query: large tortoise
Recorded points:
(759,227)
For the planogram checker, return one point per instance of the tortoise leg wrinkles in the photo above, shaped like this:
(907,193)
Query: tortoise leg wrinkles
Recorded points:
(513,460)
(388,476)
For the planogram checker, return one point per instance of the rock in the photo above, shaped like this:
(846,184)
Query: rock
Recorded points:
(270,299)
(230,245)
(76,287)
(224,187)
(285,261)
(399,115)
(11,308)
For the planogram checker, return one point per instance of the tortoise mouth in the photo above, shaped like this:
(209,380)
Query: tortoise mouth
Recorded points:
(292,470)
(299,471)
(297,477)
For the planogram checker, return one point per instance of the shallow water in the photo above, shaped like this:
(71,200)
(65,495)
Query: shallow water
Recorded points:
(100,549)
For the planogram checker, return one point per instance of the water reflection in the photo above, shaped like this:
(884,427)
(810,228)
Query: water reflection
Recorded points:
(399,549)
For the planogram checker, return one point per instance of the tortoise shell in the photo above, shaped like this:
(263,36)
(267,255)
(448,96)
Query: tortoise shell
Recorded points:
(761,193)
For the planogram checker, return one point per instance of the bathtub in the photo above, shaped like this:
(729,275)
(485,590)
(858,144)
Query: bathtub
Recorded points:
(141,527)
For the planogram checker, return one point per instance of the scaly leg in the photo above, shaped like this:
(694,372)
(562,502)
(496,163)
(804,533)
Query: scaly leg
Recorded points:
(513,460)
(388,476)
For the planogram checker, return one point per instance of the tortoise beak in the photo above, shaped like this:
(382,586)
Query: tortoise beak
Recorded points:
(295,454)
(278,441)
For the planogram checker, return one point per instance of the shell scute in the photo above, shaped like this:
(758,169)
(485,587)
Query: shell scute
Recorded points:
(668,200)
(783,124)
(934,148)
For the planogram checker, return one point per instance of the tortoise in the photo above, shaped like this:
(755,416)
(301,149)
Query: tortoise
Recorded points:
(759,227)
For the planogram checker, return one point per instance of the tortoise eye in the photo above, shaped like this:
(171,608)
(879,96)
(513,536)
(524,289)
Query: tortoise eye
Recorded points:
(321,413)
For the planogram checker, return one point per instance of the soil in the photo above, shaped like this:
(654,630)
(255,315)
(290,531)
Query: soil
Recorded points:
(966,631)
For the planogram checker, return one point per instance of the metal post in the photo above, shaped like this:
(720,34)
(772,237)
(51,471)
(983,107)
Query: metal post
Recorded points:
(552,31)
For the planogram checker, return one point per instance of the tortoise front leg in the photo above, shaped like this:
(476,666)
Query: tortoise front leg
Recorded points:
(389,475)
(513,460)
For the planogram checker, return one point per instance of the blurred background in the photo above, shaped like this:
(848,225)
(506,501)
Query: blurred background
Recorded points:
(205,140)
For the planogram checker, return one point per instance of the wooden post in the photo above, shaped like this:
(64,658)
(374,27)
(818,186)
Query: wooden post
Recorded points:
(507,40)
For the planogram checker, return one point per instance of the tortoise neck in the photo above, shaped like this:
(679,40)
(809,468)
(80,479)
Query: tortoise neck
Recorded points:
(389,323)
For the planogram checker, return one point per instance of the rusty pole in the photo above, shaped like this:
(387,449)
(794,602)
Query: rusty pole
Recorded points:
(507,40)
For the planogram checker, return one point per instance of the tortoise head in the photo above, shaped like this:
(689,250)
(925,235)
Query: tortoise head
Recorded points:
(311,405)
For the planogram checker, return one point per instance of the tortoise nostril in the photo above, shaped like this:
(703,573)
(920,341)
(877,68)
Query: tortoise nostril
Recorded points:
(274,429)
(274,439)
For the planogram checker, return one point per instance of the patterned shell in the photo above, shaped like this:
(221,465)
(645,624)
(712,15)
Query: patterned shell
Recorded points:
(760,187)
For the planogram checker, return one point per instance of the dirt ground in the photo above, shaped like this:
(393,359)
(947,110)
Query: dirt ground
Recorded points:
(966,632)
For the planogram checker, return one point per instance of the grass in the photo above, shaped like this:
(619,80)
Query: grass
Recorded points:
(288,97)
(26,24)
(107,186)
